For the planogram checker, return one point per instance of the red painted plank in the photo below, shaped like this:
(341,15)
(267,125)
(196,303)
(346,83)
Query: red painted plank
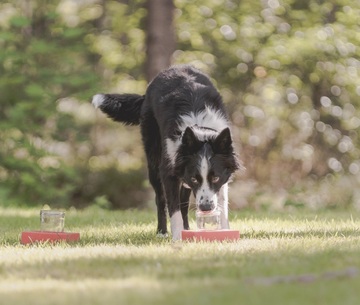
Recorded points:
(28,237)
(210,235)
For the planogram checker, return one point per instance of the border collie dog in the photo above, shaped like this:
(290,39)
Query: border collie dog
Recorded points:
(187,141)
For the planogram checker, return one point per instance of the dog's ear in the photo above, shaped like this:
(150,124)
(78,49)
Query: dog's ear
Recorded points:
(189,139)
(223,143)
(190,142)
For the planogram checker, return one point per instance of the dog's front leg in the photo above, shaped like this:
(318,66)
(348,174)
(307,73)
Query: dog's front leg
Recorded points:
(223,206)
(172,190)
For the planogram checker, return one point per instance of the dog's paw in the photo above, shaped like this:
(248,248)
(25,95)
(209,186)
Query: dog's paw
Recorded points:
(98,100)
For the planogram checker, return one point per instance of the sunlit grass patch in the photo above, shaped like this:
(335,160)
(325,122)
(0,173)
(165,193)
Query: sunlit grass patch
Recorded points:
(82,291)
(280,256)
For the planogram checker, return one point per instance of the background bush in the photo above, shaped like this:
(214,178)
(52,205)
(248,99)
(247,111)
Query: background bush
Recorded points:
(287,70)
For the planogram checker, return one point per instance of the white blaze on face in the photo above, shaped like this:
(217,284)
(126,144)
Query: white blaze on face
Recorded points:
(204,193)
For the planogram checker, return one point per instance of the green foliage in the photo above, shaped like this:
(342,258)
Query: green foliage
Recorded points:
(41,60)
(288,71)
(113,189)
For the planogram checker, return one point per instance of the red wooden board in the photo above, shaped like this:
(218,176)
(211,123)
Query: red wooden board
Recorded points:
(29,237)
(210,235)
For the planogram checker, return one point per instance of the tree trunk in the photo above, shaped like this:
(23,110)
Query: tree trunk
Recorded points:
(160,40)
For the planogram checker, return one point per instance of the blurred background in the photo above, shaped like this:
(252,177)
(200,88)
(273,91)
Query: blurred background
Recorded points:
(288,71)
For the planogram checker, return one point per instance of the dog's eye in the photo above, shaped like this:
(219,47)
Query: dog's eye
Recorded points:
(194,180)
(215,179)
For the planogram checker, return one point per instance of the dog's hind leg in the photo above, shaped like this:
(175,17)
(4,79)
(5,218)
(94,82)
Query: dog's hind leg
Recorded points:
(184,205)
(160,201)
(223,206)
(152,146)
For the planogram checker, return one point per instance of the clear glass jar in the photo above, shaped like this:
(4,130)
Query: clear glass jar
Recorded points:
(52,221)
(208,220)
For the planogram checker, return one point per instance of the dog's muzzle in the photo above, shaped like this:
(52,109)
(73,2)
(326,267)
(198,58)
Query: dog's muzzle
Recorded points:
(206,204)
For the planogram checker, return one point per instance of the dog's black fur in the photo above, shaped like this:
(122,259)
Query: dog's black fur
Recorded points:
(187,141)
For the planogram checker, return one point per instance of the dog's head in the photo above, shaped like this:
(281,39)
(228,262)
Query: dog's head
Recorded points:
(205,162)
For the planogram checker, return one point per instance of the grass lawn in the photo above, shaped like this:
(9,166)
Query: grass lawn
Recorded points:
(281,258)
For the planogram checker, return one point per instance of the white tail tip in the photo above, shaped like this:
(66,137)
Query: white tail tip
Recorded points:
(97,100)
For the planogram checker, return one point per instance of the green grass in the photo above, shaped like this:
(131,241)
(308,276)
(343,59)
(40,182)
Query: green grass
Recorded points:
(281,258)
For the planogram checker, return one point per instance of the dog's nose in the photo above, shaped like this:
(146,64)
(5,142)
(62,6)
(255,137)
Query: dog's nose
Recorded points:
(207,206)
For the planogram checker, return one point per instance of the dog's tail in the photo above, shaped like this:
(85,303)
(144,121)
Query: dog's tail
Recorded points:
(123,108)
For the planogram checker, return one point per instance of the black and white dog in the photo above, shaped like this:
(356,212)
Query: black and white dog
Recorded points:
(187,141)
